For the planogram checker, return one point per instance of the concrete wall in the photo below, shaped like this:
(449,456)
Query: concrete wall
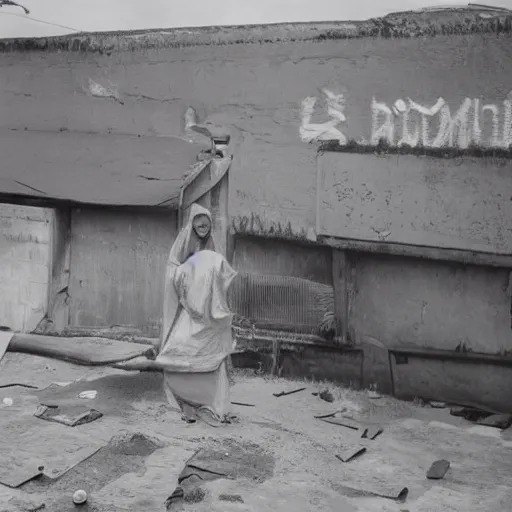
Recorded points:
(117,267)
(262,94)
(25,260)
(449,92)
(456,203)
(283,258)
(402,301)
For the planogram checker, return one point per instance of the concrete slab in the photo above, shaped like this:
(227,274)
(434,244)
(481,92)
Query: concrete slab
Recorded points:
(307,476)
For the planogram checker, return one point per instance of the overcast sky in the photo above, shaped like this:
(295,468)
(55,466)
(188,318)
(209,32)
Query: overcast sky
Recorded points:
(64,16)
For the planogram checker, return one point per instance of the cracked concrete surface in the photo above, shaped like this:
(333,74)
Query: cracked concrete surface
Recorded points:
(307,476)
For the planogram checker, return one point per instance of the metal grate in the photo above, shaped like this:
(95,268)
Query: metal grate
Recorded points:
(281,301)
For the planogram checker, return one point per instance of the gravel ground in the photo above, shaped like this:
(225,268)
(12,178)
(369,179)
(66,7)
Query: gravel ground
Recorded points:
(301,472)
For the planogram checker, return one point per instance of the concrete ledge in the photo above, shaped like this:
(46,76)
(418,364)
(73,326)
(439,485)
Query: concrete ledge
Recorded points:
(339,365)
(300,358)
(453,22)
(465,380)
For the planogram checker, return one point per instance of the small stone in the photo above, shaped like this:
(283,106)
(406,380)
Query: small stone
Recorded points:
(327,396)
(438,469)
(437,405)
(372,432)
(233,498)
(469,413)
(79,497)
(502,421)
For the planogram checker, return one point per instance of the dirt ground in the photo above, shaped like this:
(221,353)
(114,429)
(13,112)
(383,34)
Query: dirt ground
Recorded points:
(281,457)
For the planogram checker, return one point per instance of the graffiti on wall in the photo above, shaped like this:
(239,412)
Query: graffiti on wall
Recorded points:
(329,130)
(407,122)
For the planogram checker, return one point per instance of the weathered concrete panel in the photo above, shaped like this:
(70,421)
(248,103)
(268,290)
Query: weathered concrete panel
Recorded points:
(257,91)
(25,259)
(321,363)
(117,268)
(456,204)
(91,168)
(427,304)
(283,258)
(474,384)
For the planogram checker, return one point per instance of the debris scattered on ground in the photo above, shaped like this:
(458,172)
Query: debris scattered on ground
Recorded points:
(372,432)
(502,421)
(326,395)
(437,405)
(25,505)
(350,453)
(196,495)
(438,469)
(233,498)
(55,446)
(70,416)
(285,393)
(227,459)
(5,340)
(79,497)
(124,454)
(16,471)
(469,413)
(229,419)
(373,395)
(343,422)
(19,385)
(243,404)
(390,492)
(330,415)
(88,395)
(176,497)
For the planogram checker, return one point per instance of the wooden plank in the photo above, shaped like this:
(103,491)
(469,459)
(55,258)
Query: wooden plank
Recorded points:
(419,251)
(5,339)
(117,265)
(509,291)
(219,202)
(205,180)
(437,202)
(87,351)
(58,304)
(340,278)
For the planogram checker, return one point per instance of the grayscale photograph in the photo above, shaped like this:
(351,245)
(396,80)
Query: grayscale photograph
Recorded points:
(255,257)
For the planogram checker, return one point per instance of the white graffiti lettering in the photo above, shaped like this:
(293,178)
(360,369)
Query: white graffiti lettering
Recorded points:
(462,129)
(409,123)
(310,132)
(386,130)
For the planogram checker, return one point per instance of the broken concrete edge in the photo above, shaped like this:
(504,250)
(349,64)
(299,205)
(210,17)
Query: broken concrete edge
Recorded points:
(127,335)
(475,20)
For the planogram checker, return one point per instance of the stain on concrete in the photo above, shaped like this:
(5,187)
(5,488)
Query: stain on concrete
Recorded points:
(231,459)
(119,394)
(254,224)
(497,155)
(123,454)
